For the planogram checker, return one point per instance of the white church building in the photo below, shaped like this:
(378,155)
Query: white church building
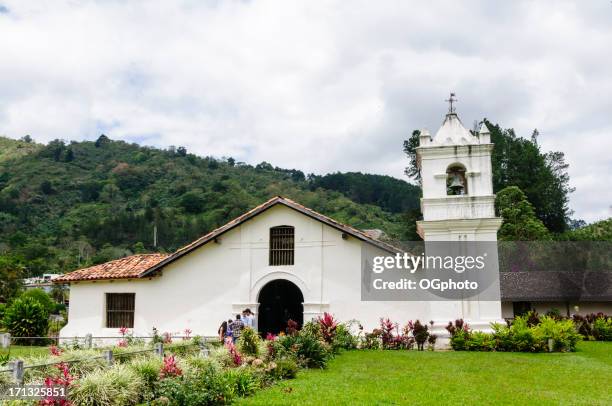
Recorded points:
(285,261)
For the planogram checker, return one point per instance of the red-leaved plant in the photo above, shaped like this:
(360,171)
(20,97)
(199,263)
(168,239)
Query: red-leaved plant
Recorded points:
(170,368)
(234,353)
(64,380)
(55,351)
(187,334)
(292,327)
(386,335)
(328,327)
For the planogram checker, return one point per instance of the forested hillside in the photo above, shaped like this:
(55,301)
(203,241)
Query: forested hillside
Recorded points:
(63,206)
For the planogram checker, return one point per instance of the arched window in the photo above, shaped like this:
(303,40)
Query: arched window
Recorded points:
(282,245)
(456,182)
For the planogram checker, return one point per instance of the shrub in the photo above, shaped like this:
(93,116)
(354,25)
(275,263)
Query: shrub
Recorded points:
(292,327)
(41,297)
(222,356)
(26,317)
(285,368)
(248,343)
(182,348)
(562,332)
(312,352)
(458,340)
(602,328)
(386,333)
(328,327)
(420,333)
(122,354)
(243,380)
(312,328)
(479,341)
(148,370)
(372,341)
(5,381)
(118,385)
(204,387)
(197,364)
(170,368)
(344,339)
(308,351)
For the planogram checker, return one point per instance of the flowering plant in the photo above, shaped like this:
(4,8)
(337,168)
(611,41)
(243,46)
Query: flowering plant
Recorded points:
(55,351)
(328,327)
(187,334)
(64,379)
(234,353)
(170,368)
(292,327)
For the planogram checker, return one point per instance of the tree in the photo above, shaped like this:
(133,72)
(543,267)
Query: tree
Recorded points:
(519,220)
(69,157)
(11,277)
(102,140)
(46,187)
(26,317)
(181,151)
(41,297)
(410,145)
(193,202)
(542,177)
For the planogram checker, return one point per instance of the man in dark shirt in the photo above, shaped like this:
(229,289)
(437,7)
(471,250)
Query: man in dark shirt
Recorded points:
(237,326)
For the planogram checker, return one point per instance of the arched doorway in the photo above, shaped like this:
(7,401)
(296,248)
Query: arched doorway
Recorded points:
(279,301)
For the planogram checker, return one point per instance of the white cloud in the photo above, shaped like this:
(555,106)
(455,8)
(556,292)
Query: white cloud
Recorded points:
(319,86)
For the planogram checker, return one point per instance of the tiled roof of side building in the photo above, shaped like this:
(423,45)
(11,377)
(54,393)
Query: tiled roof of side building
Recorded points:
(129,267)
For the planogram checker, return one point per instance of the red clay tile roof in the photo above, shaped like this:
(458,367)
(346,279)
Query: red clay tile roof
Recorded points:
(129,267)
(138,266)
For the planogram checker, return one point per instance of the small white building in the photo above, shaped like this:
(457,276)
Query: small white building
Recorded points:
(285,261)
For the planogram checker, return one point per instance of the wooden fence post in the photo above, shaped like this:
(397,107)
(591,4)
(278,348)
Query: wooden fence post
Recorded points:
(17,370)
(5,341)
(159,350)
(108,356)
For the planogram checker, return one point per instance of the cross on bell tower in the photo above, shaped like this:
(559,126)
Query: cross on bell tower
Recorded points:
(451,100)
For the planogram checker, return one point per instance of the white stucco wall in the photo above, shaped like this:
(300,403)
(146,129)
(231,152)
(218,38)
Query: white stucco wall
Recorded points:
(217,280)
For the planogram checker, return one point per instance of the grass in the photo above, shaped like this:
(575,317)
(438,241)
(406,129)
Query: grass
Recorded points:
(435,378)
(22,351)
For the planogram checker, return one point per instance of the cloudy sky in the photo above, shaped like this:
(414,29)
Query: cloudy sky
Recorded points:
(316,85)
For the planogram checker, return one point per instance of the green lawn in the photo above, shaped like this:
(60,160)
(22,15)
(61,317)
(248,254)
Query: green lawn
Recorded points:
(458,378)
(21,351)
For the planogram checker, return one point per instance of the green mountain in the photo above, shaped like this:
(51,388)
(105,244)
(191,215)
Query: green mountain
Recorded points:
(63,206)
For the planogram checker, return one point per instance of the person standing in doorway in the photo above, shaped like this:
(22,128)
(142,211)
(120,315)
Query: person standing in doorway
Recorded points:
(236,326)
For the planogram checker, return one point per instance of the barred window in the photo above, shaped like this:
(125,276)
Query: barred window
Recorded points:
(120,310)
(281,245)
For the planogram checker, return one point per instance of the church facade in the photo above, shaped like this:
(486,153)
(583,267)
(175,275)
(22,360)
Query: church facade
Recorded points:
(281,260)
(285,261)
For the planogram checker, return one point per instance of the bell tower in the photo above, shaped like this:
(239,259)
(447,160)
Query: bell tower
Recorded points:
(458,200)
(458,206)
